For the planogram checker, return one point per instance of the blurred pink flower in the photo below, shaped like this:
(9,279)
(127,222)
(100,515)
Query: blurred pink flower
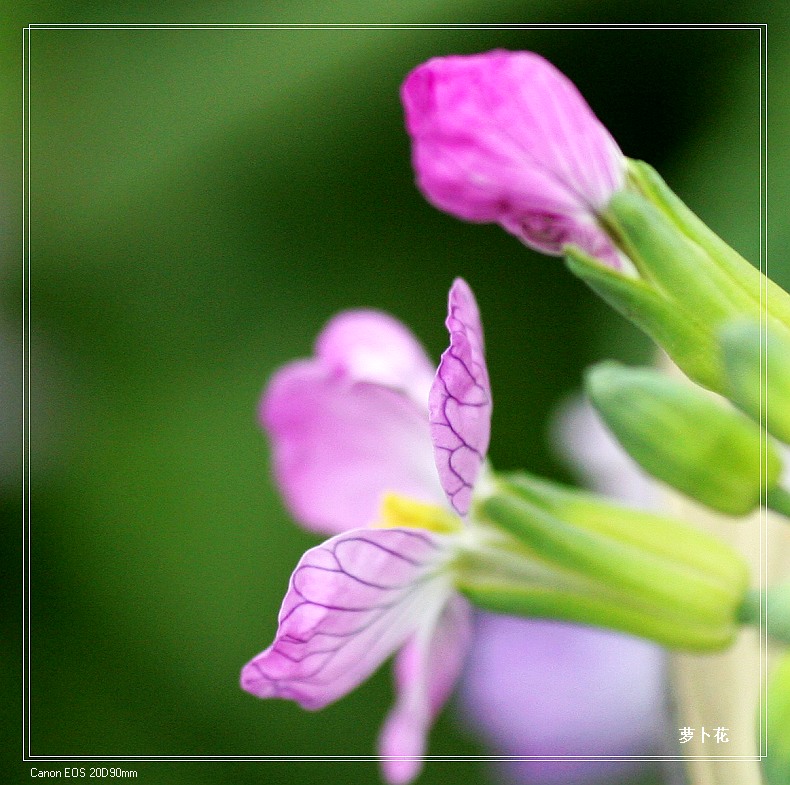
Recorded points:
(504,137)
(364,418)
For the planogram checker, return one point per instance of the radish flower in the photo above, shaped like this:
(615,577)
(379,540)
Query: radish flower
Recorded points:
(504,137)
(372,445)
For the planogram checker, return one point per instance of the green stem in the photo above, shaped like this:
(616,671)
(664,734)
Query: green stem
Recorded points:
(778,500)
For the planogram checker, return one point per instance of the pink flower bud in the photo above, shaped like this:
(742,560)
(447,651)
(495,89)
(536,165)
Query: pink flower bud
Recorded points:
(504,137)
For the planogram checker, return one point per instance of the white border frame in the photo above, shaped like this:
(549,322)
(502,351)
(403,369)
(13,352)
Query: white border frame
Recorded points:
(27,755)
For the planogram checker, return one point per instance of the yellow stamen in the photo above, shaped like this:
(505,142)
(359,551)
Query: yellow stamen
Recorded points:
(398,511)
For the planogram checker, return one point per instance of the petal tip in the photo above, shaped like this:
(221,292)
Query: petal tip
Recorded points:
(401,747)
(460,400)
(400,771)
(251,680)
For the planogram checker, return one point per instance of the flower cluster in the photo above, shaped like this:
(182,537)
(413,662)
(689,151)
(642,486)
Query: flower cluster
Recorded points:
(375,447)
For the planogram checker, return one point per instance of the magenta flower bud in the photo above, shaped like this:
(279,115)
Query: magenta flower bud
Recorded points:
(504,137)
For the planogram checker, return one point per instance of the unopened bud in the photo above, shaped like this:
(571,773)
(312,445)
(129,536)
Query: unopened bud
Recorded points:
(685,437)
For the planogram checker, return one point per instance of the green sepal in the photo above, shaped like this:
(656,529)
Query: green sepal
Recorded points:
(619,565)
(686,438)
(535,563)
(683,336)
(616,612)
(650,532)
(646,180)
(757,374)
(675,264)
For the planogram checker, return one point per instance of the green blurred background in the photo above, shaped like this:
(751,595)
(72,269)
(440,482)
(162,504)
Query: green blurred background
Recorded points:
(202,201)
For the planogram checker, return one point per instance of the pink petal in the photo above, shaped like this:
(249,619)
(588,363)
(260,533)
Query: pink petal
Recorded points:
(352,601)
(426,670)
(505,137)
(339,445)
(459,404)
(371,346)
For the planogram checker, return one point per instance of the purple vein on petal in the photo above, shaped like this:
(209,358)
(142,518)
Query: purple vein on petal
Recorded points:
(460,401)
(351,602)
